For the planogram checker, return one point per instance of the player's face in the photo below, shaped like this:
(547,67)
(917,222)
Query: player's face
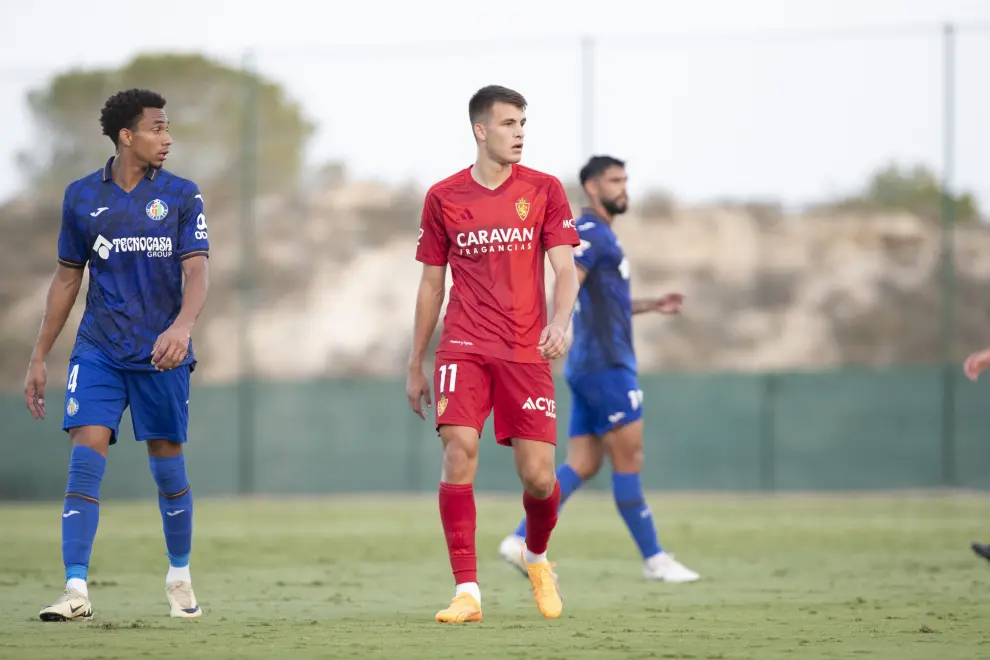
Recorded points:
(503,135)
(149,140)
(610,189)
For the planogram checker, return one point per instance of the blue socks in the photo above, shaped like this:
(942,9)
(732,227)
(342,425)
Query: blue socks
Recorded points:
(81,511)
(628,492)
(569,481)
(176,504)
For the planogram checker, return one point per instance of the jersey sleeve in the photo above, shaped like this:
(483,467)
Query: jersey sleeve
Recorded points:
(558,223)
(433,243)
(590,246)
(72,251)
(194,241)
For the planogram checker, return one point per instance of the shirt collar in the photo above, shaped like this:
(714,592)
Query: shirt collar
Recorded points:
(108,174)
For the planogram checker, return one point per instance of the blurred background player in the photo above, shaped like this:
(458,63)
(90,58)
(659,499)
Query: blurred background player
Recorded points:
(607,404)
(974,365)
(493,223)
(141,229)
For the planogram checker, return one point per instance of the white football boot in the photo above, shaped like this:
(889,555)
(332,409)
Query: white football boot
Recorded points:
(511,550)
(70,606)
(182,601)
(665,568)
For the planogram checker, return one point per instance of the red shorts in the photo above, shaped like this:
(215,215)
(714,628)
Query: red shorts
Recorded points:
(467,386)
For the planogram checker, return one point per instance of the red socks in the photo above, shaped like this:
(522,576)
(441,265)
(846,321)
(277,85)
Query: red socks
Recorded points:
(541,518)
(459,518)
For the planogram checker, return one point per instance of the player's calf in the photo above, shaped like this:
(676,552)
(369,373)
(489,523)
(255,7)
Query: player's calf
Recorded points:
(585,455)
(625,446)
(80,519)
(511,548)
(458,516)
(541,494)
(175,502)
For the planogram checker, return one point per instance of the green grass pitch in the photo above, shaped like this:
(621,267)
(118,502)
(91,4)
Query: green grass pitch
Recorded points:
(802,576)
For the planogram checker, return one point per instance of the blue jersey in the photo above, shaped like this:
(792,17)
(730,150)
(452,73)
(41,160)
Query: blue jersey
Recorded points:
(134,244)
(603,338)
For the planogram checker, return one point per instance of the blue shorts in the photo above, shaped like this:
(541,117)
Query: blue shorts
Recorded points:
(602,401)
(98,391)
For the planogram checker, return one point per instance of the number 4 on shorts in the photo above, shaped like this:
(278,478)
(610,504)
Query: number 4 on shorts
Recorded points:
(444,370)
(73,378)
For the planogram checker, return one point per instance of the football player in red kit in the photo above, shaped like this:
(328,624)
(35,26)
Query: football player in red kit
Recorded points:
(492,224)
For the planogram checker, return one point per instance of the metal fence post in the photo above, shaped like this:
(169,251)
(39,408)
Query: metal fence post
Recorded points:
(947,262)
(245,388)
(587,96)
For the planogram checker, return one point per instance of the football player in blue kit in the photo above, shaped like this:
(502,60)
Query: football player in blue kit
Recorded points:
(140,230)
(607,403)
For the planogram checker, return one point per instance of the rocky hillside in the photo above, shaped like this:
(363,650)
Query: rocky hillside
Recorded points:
(332,281)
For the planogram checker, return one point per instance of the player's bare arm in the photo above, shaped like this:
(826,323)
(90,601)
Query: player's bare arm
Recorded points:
(171,347)
(429,301)
(976,363)
(669,303)
(566,284)
(582,275)
(62,293)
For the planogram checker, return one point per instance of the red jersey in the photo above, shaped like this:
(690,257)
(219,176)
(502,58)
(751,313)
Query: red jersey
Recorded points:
(495,242)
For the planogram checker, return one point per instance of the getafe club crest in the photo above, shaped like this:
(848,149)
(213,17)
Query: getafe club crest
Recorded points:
(522,208)
(442,404)
(156,210)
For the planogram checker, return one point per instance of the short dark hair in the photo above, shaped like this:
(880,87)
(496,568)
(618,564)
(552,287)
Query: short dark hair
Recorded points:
(484,100)
(123,110)
(597,165)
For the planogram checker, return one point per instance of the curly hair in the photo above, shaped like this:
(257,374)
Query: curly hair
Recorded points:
(123,110)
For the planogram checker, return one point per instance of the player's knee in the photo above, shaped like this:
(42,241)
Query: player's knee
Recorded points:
(460,454)
(539,484)
(96,438)
(626,448)
(586,467)
(585,455)
(163,448)
(628,461)
(537,475)
(627,458)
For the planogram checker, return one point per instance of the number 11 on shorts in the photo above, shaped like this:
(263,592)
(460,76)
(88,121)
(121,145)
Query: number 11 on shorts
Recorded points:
(444,370)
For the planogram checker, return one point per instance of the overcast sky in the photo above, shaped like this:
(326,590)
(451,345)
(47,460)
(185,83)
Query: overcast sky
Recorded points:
(708,98)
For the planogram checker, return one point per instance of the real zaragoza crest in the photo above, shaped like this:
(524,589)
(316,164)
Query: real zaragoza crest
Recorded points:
(522,208)
(442,404)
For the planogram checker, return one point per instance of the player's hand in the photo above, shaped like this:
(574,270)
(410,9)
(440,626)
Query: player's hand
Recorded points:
(553,342)
(34,388)
(170,348)
(418,389)
(976,363)
(670,303)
